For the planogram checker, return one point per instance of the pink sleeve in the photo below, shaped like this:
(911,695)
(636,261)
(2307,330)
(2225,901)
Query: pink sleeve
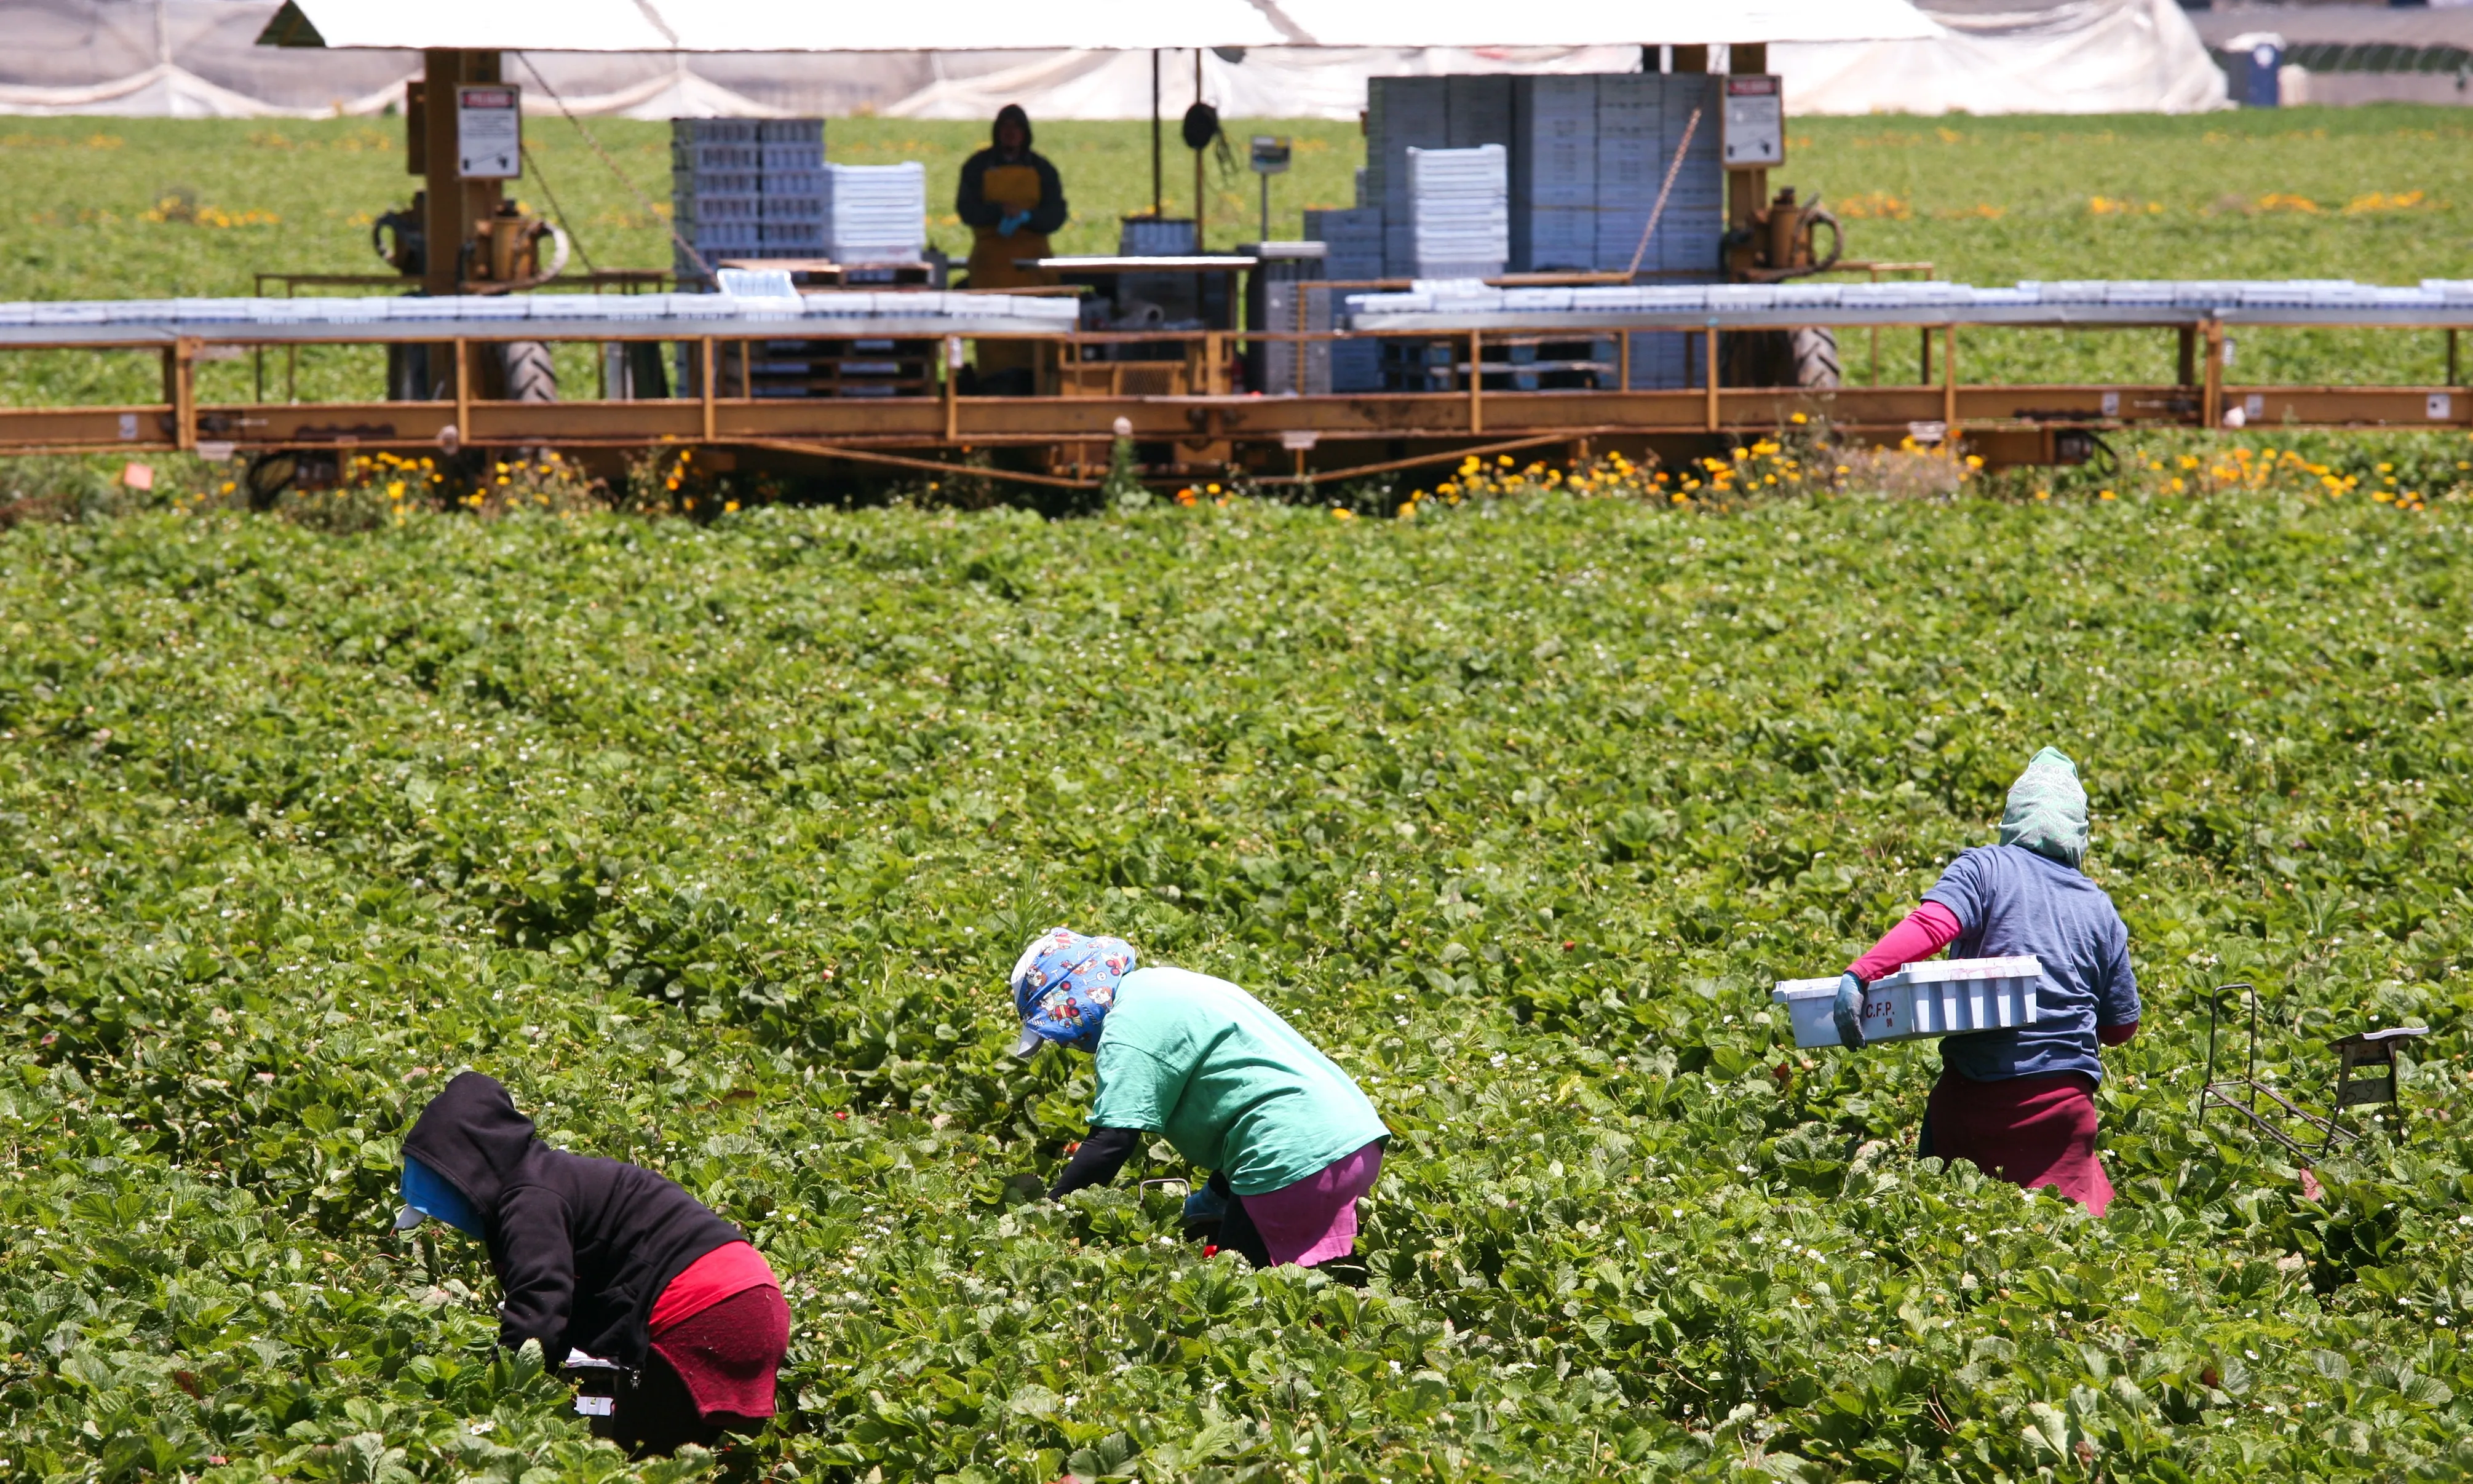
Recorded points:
(1926,931)
(2117,1035)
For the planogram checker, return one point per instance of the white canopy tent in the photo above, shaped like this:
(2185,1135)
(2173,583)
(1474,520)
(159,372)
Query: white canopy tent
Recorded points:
(1092,25)
(1271,83)
(2006,57)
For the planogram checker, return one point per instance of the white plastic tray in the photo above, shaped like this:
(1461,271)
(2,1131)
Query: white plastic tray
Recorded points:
(1937,997)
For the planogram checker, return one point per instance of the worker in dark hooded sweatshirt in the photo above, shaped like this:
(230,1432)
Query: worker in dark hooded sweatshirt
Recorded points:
(607,1259)
(1011,199)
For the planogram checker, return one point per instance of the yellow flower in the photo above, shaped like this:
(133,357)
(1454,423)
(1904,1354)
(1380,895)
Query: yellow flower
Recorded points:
(729,506)
(1339,514)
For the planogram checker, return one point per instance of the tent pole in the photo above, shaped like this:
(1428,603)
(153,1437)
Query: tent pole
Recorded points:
(1198,245)
(1157,190)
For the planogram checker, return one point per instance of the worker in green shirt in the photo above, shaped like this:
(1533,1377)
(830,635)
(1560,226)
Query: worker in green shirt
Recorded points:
(1289,1138)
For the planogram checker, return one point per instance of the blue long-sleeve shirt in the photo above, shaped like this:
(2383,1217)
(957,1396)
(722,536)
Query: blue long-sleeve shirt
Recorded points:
(2010,900)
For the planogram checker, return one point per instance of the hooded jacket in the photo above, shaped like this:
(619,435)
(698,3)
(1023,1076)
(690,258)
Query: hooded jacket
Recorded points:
(581,1247)
(969,200)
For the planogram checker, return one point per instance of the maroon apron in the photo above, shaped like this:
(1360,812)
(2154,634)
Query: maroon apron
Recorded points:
(2029,1131)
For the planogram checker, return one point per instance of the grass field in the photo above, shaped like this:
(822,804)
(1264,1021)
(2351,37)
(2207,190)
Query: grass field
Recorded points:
(716,842)
(2381,194)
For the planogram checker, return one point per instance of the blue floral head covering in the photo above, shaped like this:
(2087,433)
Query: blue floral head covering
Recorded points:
(1063,985)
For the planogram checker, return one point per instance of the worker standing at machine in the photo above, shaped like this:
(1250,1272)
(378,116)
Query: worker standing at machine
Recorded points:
(2019,1103)
(608,1258)
(1291,1141)
(1011,199)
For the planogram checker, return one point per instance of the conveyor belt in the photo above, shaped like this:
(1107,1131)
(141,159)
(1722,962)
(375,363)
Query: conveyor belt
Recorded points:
(1442,306)
(550,316)
(1468,306)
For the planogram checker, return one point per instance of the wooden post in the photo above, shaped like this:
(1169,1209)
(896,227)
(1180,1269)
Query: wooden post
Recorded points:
(1199,244)
(1622,358)
(703,383)
(2451,357)
(2186,362)
(1948,387)
(1747,191)
(180,390)
(455,206)
(953,388)
(1477,381)
(1925,379)
(2211,400)
(747,370)
(463,390)
(1709,371)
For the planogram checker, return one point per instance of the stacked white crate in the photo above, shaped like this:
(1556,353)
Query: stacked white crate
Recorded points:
(1354,240)
(875,213)
(1459,212)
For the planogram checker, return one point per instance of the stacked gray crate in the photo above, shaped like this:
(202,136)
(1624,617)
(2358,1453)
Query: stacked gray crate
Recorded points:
(794,206)
(1553,174)
(1401,114)
(873,213)
(1354,243)
(746,188)
(1459,211)
(716,190)
(1178,294)
(1477,109)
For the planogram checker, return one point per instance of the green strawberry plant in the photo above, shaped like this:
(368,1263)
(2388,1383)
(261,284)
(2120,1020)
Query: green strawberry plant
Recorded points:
(715,842)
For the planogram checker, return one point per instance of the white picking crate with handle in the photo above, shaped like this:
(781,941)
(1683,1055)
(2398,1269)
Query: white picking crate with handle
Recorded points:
(1936,997)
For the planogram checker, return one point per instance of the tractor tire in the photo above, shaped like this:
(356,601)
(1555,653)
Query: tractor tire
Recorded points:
(1812,354)
(268,476)
(1804,360)
(530,375)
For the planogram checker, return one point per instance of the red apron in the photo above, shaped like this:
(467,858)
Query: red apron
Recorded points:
(2029,1131)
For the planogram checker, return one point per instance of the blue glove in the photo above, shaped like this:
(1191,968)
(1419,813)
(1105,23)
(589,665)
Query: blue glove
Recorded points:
(1848,1011)
(1013,223)
(1204,1207)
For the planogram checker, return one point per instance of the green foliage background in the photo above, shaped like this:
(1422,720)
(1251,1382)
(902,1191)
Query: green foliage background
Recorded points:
(715,843)
(1985,201)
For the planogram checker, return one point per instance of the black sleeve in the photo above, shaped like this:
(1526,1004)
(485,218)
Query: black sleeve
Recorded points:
(1052,213)
(536,1263)
(1103,1153)
(969,202)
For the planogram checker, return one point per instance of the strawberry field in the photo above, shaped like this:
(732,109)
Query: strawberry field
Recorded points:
(715,843)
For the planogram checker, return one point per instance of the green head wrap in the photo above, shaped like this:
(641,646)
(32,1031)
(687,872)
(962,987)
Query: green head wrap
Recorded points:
(2047,809)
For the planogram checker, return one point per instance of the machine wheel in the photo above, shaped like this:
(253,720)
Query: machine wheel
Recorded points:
(530,375)
(269,475)
(1812,355)
(1803,359)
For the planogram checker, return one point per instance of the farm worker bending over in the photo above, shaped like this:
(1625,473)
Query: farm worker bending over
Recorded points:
(1011,199)
(2021,1103)
(607,1259)
(1235,1090)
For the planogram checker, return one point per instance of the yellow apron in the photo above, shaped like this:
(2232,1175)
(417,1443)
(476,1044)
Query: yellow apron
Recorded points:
(1012,188)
